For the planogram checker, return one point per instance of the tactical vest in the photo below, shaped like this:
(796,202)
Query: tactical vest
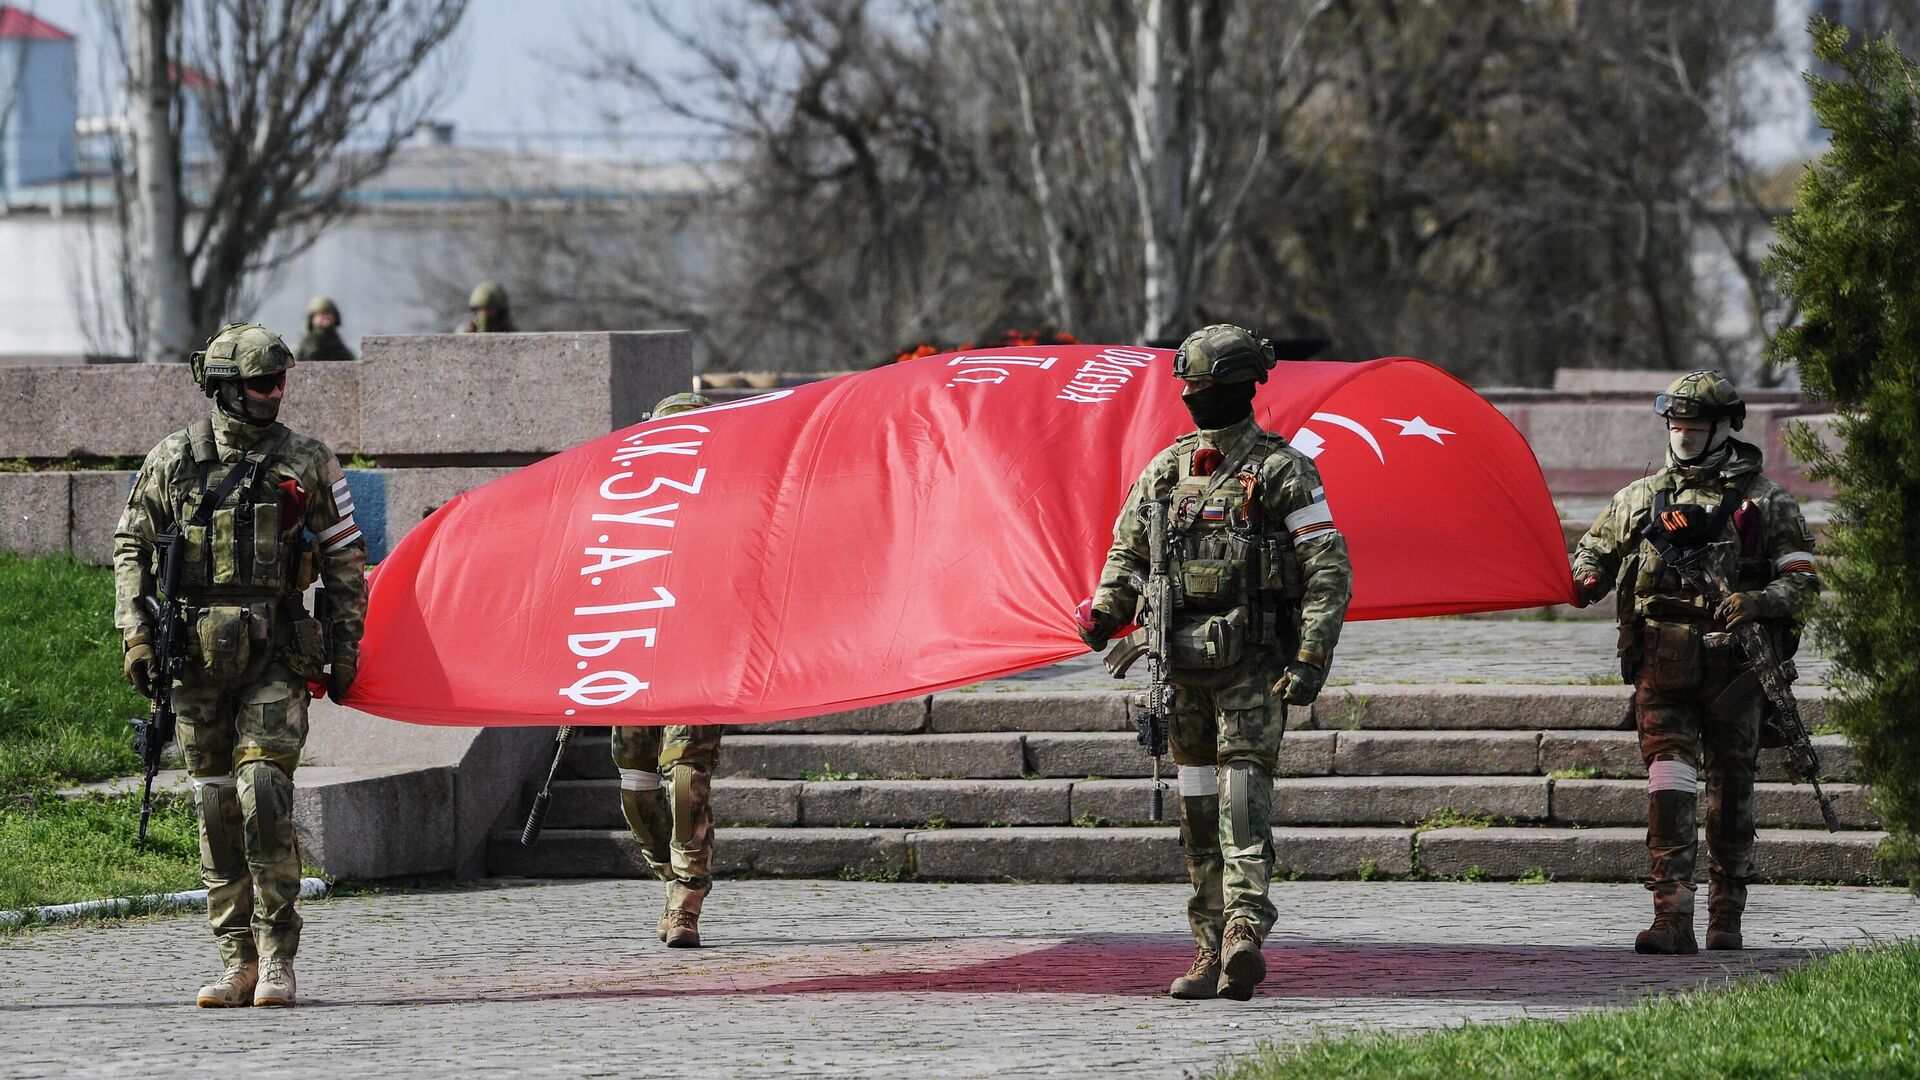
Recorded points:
(1237,581)
(236,577)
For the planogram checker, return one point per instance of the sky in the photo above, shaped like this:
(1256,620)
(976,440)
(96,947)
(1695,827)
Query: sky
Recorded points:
(510,59)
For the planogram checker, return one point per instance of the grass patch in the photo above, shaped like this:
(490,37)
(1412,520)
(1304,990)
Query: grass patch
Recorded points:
(1448,818)
(57,851)
(63,702)
(1535,875)
(1856,1013)
(1575,772)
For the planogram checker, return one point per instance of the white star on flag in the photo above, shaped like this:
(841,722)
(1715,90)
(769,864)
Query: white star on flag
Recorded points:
(1419,426)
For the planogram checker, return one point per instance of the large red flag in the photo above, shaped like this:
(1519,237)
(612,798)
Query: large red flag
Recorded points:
(899,531)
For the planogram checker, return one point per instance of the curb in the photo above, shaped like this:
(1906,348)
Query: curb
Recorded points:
(310,888)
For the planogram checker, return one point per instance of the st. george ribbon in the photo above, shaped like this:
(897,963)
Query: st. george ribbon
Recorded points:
(894,532)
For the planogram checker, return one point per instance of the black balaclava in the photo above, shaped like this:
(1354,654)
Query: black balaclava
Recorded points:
(232,399)
(1220,405)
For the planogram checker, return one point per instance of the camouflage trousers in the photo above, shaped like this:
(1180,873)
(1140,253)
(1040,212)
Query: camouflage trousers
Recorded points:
(1225,737)
(666,788)
(1682,735)
(242,741)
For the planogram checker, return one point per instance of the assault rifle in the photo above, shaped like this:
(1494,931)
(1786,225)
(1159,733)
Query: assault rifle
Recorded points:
(1152,705)
(1764,666)
(154,731)
(537,816)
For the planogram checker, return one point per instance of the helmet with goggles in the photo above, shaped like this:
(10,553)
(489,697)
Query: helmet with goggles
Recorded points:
(1224,353)
(1702,395)
(679,403)
(247,352)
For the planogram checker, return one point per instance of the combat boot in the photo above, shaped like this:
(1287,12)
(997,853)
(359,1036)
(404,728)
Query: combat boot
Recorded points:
(1201,982)
(1723,930)
(276,983)
(680,929)
(1670,935)
(233,988)
(1244,968)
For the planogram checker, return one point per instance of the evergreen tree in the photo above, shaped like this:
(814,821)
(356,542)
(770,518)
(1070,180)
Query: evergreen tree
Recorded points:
(1850,256)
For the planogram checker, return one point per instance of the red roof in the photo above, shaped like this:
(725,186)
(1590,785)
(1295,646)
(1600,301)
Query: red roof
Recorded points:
(16,24)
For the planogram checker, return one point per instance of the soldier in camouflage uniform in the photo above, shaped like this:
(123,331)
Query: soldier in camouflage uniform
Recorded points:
(1261,584)
(321,341)
(259,510)
(1676,650)
(666,787)
(488,305)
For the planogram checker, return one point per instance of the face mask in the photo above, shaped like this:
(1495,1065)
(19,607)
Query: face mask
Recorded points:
(1691,447)
(234,402)
(1220,405)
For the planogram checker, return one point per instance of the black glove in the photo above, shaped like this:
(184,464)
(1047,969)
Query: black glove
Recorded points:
(339,680)
(1587,590)
(138,666)
(1301,684)
(1094,625)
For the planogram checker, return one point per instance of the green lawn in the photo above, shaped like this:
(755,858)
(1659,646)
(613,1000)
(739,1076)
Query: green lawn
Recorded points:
(63,703)
(54,851)
(1854,1014)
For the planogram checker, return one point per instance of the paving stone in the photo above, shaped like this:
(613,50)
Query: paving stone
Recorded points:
(917,802)
(1437,753)
(1341,853)
(1460,708)
(897,717)
(1043,710)
(1775,805)
(1620,854)
(1048,854)
(983,756)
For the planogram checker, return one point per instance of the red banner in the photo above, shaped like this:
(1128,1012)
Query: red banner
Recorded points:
(899,531)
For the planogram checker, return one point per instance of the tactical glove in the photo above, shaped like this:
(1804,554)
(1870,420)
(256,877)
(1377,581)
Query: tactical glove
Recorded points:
(1738,608)
(1095,626)
(138,665)
(1301,684)
(1587,590)
(339,680)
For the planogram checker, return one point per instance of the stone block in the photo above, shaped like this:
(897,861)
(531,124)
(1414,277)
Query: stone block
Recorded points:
(1613,753)
(982,757)
(388,503)
(1437,753)
(590,755)
(1590,435)
(1341,853)
(122,410)
(439,394)
(1044,710)
(1090,753)
(1468,708)
(376,822)
(1123,802)
(1611,381)
(810,853)
(1817,855)
(34,510)
(907,717)
(97,497)
(915,803)
(1775,805)
(1507,853)
(1405,800)
(1836,760)
(756,803)
(569,853)
(1048,853)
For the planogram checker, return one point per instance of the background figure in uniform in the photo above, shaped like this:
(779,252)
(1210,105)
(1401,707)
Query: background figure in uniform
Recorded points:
(666,784)
(259,510)
(322,338)
(488,306)
(1261,574)
(1676,651)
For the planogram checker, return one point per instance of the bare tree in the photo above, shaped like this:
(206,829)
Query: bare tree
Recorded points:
(279,87)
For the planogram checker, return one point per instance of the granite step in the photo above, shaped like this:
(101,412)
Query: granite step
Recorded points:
(1620,854)
(1775,805)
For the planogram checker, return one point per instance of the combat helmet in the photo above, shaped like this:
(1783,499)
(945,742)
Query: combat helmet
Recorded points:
(1225,353)
(323,304)
(239,351)
(679,403)
(488,294)
(1702,395)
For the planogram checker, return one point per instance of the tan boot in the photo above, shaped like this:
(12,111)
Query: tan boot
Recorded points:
(664,912)
(1200,981)
(1244,968)
(682,929)
(233,988)
(276,983)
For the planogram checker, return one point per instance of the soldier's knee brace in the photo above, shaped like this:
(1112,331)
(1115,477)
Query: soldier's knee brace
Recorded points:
(266,801)
(1246,798)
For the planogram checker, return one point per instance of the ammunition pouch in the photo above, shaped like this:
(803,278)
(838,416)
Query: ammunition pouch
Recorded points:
(1209,642)
(305,653)
(1212,583)
(228,639)
(1671,657)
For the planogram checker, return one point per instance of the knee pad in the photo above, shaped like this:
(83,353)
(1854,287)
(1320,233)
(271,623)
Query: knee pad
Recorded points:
(1243,777)
(690,788)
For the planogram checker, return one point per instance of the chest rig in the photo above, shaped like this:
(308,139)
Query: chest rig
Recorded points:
(1730,525)
(1236,579)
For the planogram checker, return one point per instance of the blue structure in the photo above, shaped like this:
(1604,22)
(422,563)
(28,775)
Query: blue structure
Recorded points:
(38,100)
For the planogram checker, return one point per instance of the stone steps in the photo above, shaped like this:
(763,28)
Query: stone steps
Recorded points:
(1065,853)
(1345,801)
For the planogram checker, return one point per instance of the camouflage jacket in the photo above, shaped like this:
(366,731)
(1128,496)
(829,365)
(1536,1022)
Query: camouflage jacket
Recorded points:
(1280,496)
(1764,548)
(246,554)
(321,345)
